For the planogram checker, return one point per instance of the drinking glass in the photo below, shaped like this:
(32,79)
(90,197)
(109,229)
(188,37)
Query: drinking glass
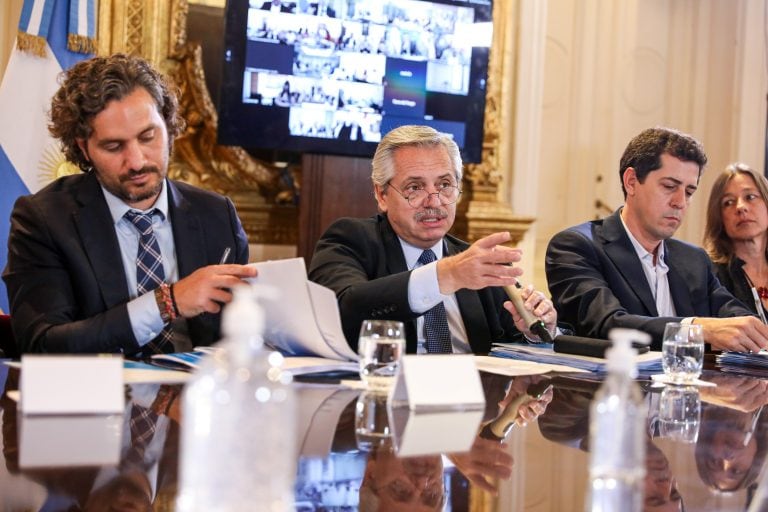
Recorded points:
(680,413)
(682,352)
(381,346)
(371,420)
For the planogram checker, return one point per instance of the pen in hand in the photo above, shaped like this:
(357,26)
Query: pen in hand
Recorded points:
(225,255)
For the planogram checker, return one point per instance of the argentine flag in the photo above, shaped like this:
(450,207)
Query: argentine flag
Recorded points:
(29,158)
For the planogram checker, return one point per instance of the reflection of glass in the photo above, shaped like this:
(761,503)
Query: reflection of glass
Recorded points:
(381,347)
(371,420)
(682,351)
(680,413)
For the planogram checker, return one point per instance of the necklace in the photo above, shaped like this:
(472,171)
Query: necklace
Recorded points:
(762,291)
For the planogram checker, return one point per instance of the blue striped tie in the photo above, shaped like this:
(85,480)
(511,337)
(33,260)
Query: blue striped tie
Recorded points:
(435,320)
(149,270)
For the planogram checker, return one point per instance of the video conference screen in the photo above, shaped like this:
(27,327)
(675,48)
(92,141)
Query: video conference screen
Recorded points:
(334,76)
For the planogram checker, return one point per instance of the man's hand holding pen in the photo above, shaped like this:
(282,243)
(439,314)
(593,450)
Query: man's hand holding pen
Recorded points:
(207,289)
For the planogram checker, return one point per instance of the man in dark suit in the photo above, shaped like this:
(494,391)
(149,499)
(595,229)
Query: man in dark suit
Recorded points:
(627,271)
(83,273)
(380,267)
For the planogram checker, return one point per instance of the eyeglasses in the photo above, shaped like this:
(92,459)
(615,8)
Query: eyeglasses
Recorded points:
(416,197)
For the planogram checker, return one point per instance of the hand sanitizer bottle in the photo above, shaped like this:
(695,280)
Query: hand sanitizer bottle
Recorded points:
(238,415)
(616,431)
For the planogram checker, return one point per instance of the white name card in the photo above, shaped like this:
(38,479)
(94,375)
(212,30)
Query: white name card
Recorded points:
(71,384)
(433,382)
(55,441)
(430,432)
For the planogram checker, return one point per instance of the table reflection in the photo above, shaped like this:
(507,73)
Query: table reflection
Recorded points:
(531,426)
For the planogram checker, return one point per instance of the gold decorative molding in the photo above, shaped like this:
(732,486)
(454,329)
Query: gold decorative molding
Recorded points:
(263,198)
(480,211)
(157,30)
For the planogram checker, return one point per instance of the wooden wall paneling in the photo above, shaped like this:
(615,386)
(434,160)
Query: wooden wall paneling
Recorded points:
(332,187)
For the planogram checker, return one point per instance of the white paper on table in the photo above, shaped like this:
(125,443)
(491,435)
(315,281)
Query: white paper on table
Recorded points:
(517,367)
(663,379)
(291,324)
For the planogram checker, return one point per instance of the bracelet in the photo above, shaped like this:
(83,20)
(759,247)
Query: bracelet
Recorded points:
(165,303)
(173,301)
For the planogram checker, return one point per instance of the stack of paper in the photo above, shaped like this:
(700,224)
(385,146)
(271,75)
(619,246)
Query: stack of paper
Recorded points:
(301,317)
(544,353)
(743,362)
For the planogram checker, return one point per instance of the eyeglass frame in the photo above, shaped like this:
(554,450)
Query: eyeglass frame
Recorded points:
(429,194)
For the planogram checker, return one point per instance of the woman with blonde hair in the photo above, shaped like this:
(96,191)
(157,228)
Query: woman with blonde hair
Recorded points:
(736,234)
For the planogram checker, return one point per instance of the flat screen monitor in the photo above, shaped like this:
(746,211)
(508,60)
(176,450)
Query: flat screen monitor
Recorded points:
(333,76)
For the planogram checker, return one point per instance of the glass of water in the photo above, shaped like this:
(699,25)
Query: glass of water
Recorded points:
(371,420)
(680,413)
(682,352)
(381,346)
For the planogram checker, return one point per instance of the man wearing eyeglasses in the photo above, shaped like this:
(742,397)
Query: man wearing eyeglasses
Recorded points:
(402,265)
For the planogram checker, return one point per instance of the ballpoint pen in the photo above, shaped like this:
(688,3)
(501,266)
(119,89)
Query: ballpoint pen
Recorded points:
(225,255)
(758,305)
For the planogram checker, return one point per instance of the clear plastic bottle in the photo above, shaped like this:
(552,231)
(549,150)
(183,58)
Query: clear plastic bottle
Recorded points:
(616,431)
(238,417)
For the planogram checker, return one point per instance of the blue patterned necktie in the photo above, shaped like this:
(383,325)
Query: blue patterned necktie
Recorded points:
(149,271)
(435,320)
(143,424)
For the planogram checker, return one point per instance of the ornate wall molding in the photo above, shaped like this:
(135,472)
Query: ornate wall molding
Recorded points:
(263,194)
(480,212)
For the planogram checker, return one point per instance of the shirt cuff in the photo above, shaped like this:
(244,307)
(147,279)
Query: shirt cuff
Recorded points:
(423,288)
(145,318)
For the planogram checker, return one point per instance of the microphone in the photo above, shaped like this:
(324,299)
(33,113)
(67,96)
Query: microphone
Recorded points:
(535,325)
(499,428)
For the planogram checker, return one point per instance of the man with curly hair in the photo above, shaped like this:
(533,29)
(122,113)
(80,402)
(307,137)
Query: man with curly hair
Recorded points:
(119,258)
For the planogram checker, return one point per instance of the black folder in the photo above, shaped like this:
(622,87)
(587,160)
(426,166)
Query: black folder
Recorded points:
(592,347)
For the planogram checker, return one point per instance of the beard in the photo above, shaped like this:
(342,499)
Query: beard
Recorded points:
(131,195)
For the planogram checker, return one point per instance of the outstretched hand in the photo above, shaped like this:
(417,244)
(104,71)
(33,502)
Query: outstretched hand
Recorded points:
(485,263)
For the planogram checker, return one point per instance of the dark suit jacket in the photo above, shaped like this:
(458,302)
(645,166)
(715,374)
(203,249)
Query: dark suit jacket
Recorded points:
(66,284)
(597,282)
(732,276)
(362,261)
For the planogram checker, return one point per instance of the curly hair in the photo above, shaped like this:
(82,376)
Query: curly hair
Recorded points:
(643,153)
(88,86)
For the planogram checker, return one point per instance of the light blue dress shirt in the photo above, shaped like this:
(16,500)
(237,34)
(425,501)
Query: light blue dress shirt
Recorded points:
(424,294)
(143,311)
